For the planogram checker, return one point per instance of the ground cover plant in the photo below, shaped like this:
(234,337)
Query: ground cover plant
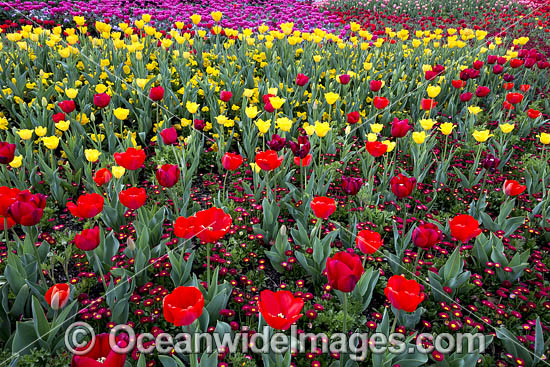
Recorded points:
(210,168)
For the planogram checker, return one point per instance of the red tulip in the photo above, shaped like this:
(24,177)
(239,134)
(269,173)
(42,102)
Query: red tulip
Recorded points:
(323,207)
(458,83)
(478,64)
(58,117)
(344,270)
(301,80)
(131,159)
(6,222)
(426,235)
(183,306)
(280,309)
(58,296)
(226,95)
(497,69)
(67,106)
(353,117)
(524,88)
(400,128)
(87,206)
(211,225)
(507,106)
(404,294)
(351,185)
(375,85)
(184,227)
(156,93)
(268,160)
(465,97)
(533,114)
(7,197)
(344,79)
(368,241)
(513,188)
(27,209)
(133,198)
(380,102)
(482,91)
(7,152)
(88,239)
(514,98)
(427,104)
(102,100)
(100,353)
(168,175)
(402,186)
(464,227)
(303,162)
(102,176)
(516,63)
(376,148)
(231,161)
(169,136)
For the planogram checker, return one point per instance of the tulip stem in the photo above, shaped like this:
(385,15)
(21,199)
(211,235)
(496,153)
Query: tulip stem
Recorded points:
(224,182)
(345,324)
(6,230)
(208,264)
(395,321)
(100,268)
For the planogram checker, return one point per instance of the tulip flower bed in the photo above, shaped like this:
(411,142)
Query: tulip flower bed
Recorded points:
(175,180)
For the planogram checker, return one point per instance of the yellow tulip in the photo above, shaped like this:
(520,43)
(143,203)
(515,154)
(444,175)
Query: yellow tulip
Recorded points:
(195,18)
(92,155)
(263,126)
(321,128)
(121,113)
(372,137)
(16,163)
(427,124)
(310,129)
(71,93)
(474,110)
(255,167)
(482,136)
(63,125)
(25,134)
(192,107)
(216,15)
(331,97)
(251,111)
(118,171)
(376,128)
(40,131)
(544,138)
(506,128)
(390,144)
(446,128)
(433,90)
(51,142)
(419,137)
(276,102)
(283,123)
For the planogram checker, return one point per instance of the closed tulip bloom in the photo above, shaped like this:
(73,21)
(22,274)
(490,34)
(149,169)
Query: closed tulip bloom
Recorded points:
(183,306)
(67,106)
(376,148)
(400,128)
(300,148)
(404,294)
(133,198)
(380,102)
(375,85)
(302,80)
(533,114)
(351,185)
(168,175)
(464,227)
(87,206)
(368,242)
(56,118)
(58,296)
(225,95)
(303,162)
(268,160)
(481,136)
(482,91)
(184,227)
(27,209)
(323,206)
(402,186)
(232,161)
(465,97)
(280,309)
(344,270)
(353,117)
(7,152)
(101,100)
(514,98)
(169,136)
(132,159)
(277,143)
(426,235)
(513,188)
(156,93)
(88,239)
(544,138)
(7,197)
(446,128)
(427,104)
(344,79)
